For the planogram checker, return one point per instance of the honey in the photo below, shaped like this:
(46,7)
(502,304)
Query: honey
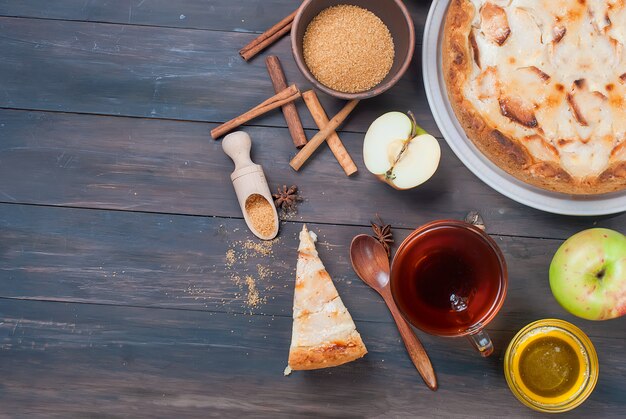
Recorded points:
(551,366)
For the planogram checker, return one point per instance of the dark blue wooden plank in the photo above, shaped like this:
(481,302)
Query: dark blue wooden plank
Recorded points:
(182,262)
(224,15)
(161,73)
(174,167)
(88,360)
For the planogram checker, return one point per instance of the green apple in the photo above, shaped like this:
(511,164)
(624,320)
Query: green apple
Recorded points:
(399,152)
(588,274)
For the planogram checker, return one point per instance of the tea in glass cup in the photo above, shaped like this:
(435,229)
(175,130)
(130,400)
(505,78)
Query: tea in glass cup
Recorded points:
(449,278)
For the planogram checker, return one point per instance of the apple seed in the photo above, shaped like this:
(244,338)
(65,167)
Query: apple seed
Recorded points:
(416,131)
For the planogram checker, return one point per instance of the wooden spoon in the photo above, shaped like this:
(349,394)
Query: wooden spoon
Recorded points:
(370,262)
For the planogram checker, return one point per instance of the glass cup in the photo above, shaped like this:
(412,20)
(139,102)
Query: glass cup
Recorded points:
(581,379)
(449,278)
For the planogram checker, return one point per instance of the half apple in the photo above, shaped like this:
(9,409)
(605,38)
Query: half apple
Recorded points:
(399,152)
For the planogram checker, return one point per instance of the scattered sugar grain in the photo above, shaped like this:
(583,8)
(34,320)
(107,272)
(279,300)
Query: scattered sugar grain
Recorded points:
(230,257)
(251,286)
(263,272)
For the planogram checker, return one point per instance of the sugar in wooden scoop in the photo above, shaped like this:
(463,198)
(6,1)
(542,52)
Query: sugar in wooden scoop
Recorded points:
(348,48)
(261,214)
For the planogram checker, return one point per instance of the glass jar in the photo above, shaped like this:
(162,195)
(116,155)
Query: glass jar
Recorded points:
(584,381)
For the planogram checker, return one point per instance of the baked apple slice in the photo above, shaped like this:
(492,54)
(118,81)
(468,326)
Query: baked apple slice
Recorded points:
(517,111)
(494,23)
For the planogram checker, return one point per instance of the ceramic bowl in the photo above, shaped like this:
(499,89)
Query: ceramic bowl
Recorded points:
(392,12)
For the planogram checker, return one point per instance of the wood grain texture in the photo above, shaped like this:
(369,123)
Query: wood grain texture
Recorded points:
(269,37)
(285,96)
(162,73)
(307,151)
(174,167)
(334,142)
(415,349)
(86,360)
(168,261)
(222,15)
(370,261)
(290,112)
(130,306)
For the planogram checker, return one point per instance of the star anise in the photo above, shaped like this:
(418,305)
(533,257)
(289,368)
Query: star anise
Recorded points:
(382,233)
(287,198)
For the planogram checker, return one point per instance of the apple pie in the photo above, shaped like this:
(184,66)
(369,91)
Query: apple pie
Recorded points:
(540,88)
(324,334)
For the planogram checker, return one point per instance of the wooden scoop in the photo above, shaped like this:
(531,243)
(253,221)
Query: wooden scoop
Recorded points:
(248,178)
(370,262)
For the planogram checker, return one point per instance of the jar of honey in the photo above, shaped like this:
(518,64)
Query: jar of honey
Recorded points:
(551,366)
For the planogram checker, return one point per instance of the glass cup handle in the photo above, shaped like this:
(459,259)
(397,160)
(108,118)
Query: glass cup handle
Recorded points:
(481,341)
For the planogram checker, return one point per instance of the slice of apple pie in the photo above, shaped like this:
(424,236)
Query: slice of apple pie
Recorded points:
(324,334)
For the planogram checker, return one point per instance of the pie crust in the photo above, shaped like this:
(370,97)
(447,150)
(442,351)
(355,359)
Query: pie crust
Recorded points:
(540,88)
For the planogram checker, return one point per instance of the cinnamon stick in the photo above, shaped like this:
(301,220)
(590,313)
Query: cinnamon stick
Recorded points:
(306,152)
(333,140)
(284,96)
(267,38)
(289,109)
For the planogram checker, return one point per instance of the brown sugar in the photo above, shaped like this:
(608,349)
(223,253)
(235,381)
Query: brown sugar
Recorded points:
(240,256)
(348,48)
(263,271)
(253,298)
(261,214)
(230,258)
(263,248)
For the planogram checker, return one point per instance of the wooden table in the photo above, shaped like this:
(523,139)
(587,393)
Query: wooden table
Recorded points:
(117,214)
